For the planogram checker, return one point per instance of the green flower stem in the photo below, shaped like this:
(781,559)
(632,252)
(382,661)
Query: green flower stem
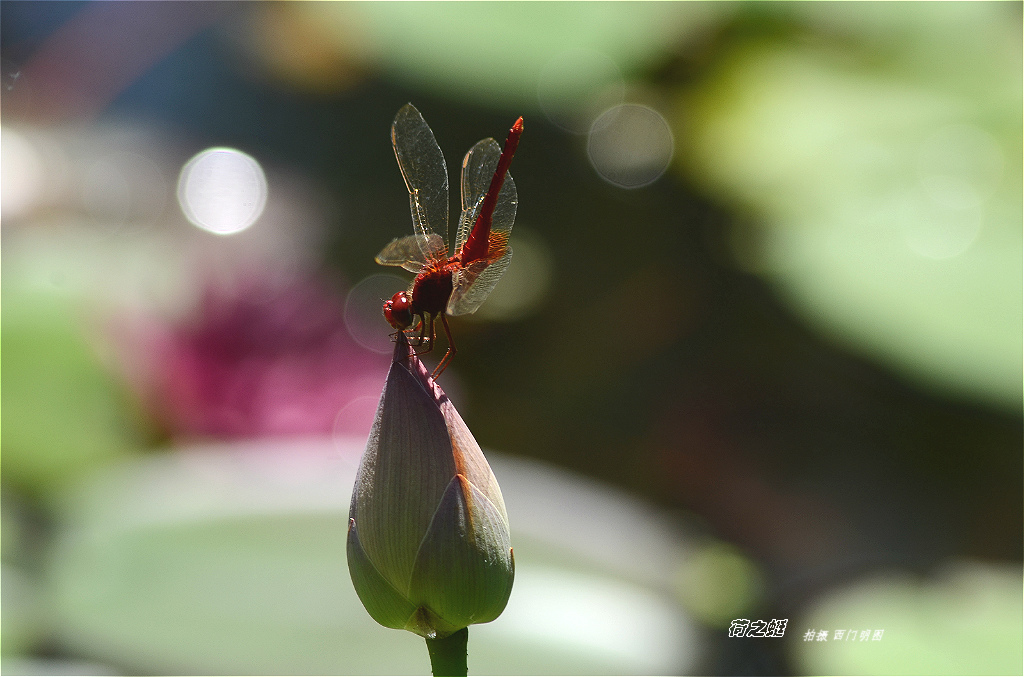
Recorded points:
(448,655)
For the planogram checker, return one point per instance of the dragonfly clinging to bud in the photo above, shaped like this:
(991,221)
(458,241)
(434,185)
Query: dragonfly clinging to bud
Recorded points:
(455,282)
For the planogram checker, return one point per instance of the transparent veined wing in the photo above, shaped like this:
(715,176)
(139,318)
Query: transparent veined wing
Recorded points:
(426,177)
(411,252)
(475,282)
(477,170)
(505,211)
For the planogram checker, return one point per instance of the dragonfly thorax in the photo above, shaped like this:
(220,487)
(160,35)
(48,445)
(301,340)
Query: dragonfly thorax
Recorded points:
(432,290)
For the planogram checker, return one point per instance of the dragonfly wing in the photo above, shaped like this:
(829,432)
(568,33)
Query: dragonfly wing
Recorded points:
(410,252)
(425,173)
(477,169)
(505,210)
(475,282)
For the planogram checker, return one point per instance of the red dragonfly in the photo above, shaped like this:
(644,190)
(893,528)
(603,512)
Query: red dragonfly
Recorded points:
(459,283)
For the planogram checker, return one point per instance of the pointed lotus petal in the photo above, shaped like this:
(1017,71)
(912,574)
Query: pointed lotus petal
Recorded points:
(469,459)
(407,464)
(428,543)
(464,568)
(385,604)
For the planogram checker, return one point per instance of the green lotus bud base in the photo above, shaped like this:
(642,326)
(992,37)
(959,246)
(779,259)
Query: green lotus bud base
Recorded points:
(448,655)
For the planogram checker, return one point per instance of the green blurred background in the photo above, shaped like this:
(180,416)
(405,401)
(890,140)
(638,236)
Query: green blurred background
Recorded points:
(763,322)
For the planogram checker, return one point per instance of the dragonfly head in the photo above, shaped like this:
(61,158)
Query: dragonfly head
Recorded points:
(398,310)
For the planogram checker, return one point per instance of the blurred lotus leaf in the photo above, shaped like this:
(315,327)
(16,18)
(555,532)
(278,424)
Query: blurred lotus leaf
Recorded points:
(63,413)
(883,171)
(494,51)
(230,559)
(965,621)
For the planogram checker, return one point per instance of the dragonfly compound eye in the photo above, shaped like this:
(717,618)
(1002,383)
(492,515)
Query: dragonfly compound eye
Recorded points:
(398,310)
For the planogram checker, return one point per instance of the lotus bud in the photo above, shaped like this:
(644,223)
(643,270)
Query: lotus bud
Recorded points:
(428,536)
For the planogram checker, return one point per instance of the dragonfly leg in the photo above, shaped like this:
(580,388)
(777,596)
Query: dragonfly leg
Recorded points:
(410,334)
(423,337)
(449,354)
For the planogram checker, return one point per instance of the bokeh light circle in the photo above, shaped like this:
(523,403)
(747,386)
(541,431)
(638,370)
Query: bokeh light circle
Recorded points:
(222,190)
(575,85)
(960,166)
(630,145)
(354,420)
(22,169)
(936,229)
(363,315)
(124,191)
(525,284)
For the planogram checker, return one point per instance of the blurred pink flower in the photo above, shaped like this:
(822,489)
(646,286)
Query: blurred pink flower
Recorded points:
(258,358)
